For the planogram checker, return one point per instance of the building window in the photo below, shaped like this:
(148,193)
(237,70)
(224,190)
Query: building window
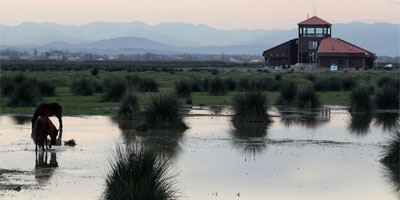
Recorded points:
(318,32)
(312,44)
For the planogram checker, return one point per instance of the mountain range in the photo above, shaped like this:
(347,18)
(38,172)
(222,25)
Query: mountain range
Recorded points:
(172,38)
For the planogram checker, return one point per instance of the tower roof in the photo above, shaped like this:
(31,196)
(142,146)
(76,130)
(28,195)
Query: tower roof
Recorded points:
(314,21)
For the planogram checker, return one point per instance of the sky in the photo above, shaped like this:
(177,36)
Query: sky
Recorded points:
(222,14)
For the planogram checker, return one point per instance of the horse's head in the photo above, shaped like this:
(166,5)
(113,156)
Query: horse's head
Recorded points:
(53,136)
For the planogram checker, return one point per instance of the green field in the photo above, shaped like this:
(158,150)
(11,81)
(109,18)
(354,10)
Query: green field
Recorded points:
(91,105)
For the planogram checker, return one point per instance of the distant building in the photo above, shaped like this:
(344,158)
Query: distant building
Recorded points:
(314,45)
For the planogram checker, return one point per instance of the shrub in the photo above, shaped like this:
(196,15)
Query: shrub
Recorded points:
(391,151)
(114,89)
(348,83)
(7,85)
(288,92)
(307,98)
(360,100)
(359,123)
(250,107)
(269,84)
(139,174)
(390,82)
(26,94)
(205,83)
(230,84)
(387,98)
(163,111)
(94,71)
(182,89)
(129,106)
(310,77)
(149,85)
(216,87)
(278,77)
(195,86)
(327,84)
(46,88)
(82,86)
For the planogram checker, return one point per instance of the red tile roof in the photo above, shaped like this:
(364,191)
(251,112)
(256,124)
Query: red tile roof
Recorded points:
(314,21)
(336,45)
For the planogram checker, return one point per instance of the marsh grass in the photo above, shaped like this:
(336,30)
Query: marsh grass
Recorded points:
(183,89)
(163,111)
(25,94)
(360,123)
(360,99)
(387,98)
(288,92)
(216,87)
(138,173)
(82,87)
(250,107)
(307,98)
(148,85)
(46,88)
(391,159)
(129,107)
(114,89)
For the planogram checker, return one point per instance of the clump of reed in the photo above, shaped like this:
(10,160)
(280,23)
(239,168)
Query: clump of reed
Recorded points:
(360,99)
(129,106)
(139,174)
(46,88)
(216,87)
(327,84)
(307,98)
(82,86)
(25,94)
(288,92)
(391,151)
(94,71)
(113,89)
(148,85)
(183,89)
(163,111)
(387,98)
(250,107)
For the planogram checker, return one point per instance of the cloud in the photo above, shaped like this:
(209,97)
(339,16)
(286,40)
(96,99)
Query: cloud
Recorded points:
(394,1)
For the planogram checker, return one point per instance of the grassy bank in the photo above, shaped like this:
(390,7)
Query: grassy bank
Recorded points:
(91,105)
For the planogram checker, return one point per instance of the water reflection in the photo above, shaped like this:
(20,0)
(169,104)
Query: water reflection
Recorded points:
(43,169)
(21,120)
(249,137)
(391,161)
(359,124)
(308,119)
(388,121)
(165,142)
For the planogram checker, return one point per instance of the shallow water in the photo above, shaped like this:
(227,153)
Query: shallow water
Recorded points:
(330,155)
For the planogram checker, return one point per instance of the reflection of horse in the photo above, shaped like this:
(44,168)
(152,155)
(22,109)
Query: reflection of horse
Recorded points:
(48,110)
(43,128)
(44,169)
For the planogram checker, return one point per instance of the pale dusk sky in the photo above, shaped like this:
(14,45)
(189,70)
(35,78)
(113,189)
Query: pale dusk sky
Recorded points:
(222,14)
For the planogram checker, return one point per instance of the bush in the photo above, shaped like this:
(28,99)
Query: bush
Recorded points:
(139,174)
(310,77)
(269,84)
(216,87)
(114,89)
(307,98)
(195,86)
(149,85)
(163,111)
(230,84)
(205,83)
(82,86)
(129,106)
(360,100)
(250,107)
(390,82)
(26,94)
(391,151)
(46,88)
(327,84)
(278,77)
(182,89)
(348,83)
(288,92)
(94,71)
(387,98)
(7,85)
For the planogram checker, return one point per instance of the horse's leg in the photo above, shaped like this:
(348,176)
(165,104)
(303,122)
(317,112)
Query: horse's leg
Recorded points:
(59,116)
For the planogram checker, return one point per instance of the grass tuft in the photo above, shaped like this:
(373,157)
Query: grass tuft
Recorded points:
(129,106)
(250,107)
(360,99)
(307,98)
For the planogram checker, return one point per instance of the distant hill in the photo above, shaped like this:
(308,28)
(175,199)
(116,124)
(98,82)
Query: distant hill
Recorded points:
(381,38)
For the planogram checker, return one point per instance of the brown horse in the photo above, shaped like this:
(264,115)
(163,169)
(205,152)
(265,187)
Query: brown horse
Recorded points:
(43,128)
(48,110)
